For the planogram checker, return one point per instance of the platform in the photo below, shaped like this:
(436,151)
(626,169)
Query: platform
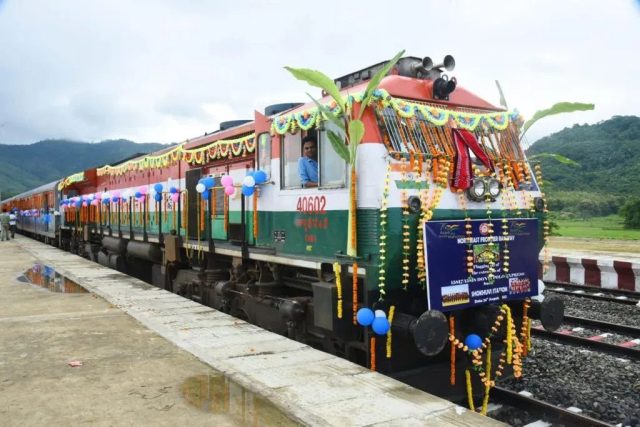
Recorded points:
(309,386)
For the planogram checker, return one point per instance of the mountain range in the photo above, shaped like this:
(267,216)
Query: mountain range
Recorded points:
(23,167)
(605,155)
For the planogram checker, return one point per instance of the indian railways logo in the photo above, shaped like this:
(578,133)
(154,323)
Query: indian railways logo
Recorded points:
(484,228)
(518,228)
(449,230)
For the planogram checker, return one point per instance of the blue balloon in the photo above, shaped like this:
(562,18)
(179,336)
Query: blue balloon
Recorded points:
(380,325)
(79,204)
(473,341)
(260,176)
(365,316)
(138,194)
(248,191)
(208,182)
(250,173)
(158,197)
(158,188)
(106,201)
(205,195)
(115,199)
(173,190)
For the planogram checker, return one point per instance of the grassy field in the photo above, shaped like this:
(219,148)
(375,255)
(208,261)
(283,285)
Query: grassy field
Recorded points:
(607,227)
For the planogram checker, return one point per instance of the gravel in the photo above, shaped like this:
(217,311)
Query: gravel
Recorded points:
(603,386)
(603,311)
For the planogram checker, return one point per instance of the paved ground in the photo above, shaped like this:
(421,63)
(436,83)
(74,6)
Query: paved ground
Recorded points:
(129,376)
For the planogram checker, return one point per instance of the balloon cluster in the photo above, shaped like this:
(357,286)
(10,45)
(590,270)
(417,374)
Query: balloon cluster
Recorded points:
(203,187)
(157,188)
(252,179)
(249,183)
(378,320)
(141,193)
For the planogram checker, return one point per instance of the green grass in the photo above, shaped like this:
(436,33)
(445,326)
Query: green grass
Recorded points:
(605,227)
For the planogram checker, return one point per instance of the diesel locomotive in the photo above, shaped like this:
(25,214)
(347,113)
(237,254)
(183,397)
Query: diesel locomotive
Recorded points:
(449,222)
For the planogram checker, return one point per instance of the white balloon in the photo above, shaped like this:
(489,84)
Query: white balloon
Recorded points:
(200,188)
(249,181)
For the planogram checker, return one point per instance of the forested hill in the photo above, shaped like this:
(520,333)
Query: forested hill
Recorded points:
(23,167)
(607,153)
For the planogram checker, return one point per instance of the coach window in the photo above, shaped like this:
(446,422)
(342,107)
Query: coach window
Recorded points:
(333,169)
(264,153)
(291,152)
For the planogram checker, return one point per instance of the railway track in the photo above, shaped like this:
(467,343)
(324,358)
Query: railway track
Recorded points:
(627,349)
(611,295)
(546,413)
(613,327)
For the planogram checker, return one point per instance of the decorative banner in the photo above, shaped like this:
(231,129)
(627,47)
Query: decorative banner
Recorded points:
(436,115)
(76,177)
(225,148)
(451,287)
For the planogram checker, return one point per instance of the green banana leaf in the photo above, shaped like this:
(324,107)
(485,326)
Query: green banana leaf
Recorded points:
(319,79)
(375,81)
(560,107)
(557,157)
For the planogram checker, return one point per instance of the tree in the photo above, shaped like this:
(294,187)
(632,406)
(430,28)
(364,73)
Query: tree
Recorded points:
(630,211)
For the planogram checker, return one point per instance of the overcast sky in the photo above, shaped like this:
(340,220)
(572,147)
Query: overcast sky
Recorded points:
(164,71)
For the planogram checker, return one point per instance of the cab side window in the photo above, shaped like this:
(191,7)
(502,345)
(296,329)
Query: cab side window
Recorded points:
(264,153)
(333,169)
(291,149)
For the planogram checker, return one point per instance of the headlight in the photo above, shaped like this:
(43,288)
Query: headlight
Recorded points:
(415,205)
(494,188)
(477,190)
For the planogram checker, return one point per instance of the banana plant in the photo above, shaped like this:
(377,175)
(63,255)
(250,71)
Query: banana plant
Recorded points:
(559,108)
(345,143)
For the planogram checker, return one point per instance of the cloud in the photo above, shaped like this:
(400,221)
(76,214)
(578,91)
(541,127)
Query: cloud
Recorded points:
(165,70)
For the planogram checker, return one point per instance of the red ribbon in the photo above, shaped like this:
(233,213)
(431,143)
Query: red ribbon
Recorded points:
(462,174)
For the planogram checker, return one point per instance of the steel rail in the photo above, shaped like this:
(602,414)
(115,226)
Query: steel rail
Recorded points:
(544,409)
(618,350)
(621,329)
(631,298)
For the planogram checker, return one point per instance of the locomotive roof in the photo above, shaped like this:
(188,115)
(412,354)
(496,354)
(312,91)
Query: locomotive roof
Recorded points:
(51,186)
(233,132)
(419,90)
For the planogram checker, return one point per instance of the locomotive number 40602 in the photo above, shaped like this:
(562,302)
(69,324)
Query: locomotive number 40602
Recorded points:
(311,204)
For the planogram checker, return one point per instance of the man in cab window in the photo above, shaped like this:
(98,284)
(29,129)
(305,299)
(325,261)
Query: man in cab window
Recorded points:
(308,163)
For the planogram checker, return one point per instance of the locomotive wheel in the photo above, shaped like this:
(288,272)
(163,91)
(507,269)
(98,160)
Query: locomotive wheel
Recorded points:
(431,332)
(552,312)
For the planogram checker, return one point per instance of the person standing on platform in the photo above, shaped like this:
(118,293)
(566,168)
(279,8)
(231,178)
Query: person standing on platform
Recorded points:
(12,224)
(4,223)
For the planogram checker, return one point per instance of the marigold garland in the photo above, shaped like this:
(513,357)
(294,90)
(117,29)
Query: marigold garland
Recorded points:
(337,269)
(383,232)
(406,235)
(509,340)
(467,375)
(392,310)
(372,350)
(484,372)
(437,116)
(452,364)
(487,385)
(255,214)
(354,296)
(545,229)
